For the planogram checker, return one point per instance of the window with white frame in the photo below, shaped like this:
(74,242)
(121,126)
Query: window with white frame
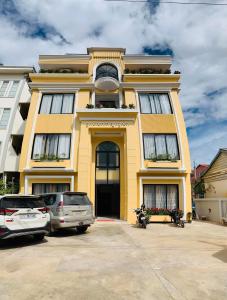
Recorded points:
(4,117)
(57,104)
(160,196)
(9,88)
(51,146)
(151,103)
(160,146)
(13,89)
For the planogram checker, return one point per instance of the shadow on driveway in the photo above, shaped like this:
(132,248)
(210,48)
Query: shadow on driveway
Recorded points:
(19,242)
(221,254)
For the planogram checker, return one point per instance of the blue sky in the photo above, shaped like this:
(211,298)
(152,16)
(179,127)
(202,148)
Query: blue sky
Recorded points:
(194,35)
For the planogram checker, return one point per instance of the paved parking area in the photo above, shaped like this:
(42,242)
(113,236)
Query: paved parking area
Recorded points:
(114,260)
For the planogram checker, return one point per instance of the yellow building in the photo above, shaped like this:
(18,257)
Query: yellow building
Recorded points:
(109,124)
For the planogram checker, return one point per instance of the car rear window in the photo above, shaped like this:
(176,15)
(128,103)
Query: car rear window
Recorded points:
(49,199)
(76,200)
(24,202)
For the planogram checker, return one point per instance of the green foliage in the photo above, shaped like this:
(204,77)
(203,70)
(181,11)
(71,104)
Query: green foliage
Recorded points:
(48,158)
(161,157)
(131,106)
(199,188)
(7,188)
(124,106)
(148,71)
(90,106)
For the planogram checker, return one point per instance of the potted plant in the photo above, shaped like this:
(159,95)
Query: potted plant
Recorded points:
(90,106)
(158,214)
(98,105)
(124,106)
(131,106)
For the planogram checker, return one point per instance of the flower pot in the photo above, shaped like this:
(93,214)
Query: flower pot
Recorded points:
(160,218)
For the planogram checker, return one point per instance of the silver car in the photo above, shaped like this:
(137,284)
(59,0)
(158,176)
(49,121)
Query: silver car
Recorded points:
(69,210)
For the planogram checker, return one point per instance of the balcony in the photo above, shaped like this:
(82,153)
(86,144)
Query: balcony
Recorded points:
(106,78)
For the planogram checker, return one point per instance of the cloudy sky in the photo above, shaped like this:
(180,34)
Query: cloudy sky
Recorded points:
(195,35)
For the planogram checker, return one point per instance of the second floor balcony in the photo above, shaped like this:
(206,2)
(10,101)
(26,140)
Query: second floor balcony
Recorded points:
(107,77)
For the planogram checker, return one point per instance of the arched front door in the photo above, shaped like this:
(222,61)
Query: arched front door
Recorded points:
(107,181)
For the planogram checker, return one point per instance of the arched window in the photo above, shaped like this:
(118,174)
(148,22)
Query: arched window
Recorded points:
(106,70)
(107,155)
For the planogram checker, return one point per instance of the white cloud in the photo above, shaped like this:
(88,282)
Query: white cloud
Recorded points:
(196,34)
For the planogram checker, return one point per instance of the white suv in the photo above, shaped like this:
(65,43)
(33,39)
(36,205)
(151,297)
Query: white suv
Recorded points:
(23,215)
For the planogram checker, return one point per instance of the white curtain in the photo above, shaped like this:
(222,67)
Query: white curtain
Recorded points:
(46,104)
(149,146)
(171,196)
(152,103)
(149,195)
(157,104)
(67,107)
(171,141)
(145,104)
(56,104)
(51,145)
(64,146)
(161,196)
(160,144)
(164,100)
(38,146)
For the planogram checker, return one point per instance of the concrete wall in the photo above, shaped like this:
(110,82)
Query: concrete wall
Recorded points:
(9,160)
(213,209)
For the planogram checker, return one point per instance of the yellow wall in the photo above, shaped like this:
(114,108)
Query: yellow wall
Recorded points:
(158,123)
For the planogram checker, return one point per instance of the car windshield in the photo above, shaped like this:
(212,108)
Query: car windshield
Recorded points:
(76,200)
(23,202)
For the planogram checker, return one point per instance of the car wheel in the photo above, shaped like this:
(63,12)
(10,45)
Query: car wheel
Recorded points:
(52,230)
(81,229)
(39,237)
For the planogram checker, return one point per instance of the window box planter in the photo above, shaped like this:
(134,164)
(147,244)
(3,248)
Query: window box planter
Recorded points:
(159,218)
(163,157)
(48,158)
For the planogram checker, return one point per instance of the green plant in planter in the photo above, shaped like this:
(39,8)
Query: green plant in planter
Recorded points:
(163,157)
(46,157)
(131,106)
(90,106)
(99,105)
(124,106)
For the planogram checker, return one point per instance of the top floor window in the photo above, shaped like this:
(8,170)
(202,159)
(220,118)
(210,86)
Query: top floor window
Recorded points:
(9,88)
(154,103)
(106,70)
(57,104)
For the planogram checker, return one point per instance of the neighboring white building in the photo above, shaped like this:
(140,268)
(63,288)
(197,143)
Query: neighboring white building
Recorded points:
(14,105)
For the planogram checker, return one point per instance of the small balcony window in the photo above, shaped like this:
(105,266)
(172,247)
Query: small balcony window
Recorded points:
(107,100)
(106,70)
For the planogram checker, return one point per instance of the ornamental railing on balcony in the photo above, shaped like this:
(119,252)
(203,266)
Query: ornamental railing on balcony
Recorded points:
(106,70)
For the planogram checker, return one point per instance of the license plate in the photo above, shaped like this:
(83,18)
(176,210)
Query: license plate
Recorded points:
(27,216)
(80,213)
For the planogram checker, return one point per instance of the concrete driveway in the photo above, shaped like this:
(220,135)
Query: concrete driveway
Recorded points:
(114,260)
